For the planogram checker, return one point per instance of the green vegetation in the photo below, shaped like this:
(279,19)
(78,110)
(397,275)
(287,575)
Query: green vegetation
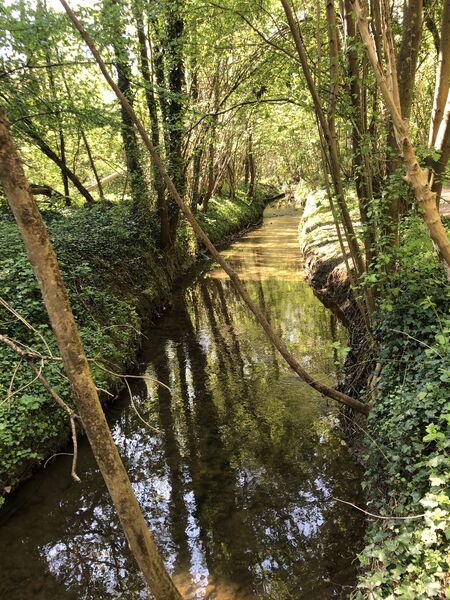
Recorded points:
(407,467)
(113,287)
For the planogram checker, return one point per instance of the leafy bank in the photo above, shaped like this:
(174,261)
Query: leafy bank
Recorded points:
(118,281)
(407,436)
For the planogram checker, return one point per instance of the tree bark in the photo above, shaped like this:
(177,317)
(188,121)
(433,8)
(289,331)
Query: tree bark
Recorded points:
(45,265)
(175,113)
(408,53)
(158,183)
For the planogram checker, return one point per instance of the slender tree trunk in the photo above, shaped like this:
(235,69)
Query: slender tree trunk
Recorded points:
(65,179)
(92,162)
(175,65)
(46,268)
(416,176)
(83,135)
(158,183)
(361,162)
(251,168)
(440,122)
(139,191)
(42,8)
(406,66)
(409,53)
(442,75)
(330,140)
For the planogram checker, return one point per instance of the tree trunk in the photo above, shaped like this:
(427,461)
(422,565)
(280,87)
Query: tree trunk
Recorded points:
(32,133)
(415,175)
(408,53)
(139,191)
(158,183)
(331,143)
(175,123)
(360,158)
(45,265)
(442,75)
(251,168)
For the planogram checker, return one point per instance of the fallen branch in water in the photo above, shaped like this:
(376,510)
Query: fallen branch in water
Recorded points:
(260,317)
(382,517)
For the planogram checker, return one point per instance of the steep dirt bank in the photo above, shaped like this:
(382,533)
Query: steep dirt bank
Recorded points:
(327,275)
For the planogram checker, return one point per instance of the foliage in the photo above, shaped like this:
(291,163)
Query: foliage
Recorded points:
(408,433)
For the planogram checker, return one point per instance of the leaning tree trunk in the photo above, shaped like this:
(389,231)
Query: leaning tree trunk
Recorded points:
(46,268)
(42,144)
(237,283)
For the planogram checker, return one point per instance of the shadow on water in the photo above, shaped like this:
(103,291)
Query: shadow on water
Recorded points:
(236,468)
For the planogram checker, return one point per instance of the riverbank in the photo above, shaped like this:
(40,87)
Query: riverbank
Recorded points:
(406,437)
(117,281)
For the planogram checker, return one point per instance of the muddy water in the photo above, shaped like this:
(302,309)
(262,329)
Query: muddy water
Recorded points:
(236,467)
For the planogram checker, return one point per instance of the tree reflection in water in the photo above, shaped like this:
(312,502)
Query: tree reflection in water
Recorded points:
(236,479)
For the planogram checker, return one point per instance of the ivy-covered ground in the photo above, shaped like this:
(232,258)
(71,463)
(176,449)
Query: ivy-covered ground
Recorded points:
(407,458)
(408,431)
(116,279)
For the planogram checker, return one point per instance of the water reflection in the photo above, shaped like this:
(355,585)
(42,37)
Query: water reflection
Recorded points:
(236,472)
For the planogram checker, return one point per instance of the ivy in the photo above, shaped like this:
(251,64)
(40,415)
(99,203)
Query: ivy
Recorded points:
(407,455)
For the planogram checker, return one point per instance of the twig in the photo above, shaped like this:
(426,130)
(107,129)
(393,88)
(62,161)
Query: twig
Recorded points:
(11,394)
(411,337)
(72,415)
(123,376)
(11,382)
(146,423)
(384,518)
(55,455)
(26,323)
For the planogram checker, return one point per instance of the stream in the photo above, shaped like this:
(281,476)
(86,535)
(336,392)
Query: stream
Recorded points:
(236,467)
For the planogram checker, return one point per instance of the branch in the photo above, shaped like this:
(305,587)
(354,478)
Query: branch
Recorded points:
(240,105)
(384,518)
(30,357)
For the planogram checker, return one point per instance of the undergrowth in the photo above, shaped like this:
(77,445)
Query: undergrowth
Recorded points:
(115,277)
(407,463)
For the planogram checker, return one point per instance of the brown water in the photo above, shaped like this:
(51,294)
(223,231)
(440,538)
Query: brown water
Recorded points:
(236,467)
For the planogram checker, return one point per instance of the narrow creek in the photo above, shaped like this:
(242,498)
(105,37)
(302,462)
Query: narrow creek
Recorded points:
(236,468)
